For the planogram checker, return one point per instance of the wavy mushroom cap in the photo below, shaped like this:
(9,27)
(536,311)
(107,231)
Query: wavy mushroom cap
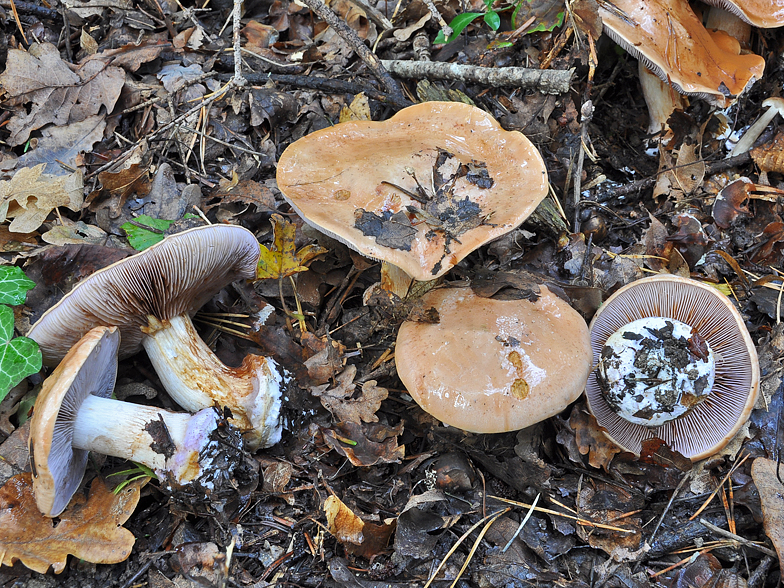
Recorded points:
(490,366)
(670,39)
(476,182)
(709,425)
(766,14)
(174,277)
(90,367)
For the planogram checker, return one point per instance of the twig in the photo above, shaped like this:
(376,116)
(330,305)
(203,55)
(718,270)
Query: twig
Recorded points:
(738,538)
(761,572)
(32,8)
(374,15)
(685,477)
(236,15)
(547,81)
(365,54)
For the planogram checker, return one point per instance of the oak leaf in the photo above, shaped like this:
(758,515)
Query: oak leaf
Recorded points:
(341,403)
(90,528)
(29,196)
(283,259)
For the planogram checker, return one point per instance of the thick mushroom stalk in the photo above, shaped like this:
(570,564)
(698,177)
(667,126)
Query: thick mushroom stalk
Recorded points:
(150,297)
(74,415)
(194,377)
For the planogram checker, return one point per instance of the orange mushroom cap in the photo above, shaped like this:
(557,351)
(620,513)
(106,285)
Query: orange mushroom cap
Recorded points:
(714,421)
(490,366)
(421,190)
(766,14)
(670,39)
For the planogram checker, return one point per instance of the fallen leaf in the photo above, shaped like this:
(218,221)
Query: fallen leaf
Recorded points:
(282,260)
(590,439)
(340,402)
(29,196)
(61,148)
(19,357)
(90,528)
(366,445)
(363,538)
(358,110)
(58,94)
(764,472)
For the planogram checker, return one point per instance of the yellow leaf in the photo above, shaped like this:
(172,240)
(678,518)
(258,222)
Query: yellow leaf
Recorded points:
(282,260)
(90,528)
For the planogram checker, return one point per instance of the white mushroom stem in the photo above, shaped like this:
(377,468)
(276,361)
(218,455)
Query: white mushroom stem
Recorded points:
(722,20)
(661,98)
(167,442)
(196,379)
(774,106)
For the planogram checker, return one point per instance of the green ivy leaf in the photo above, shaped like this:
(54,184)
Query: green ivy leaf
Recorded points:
(492,19)
(13,285)
(141,238)
(458,24)
(19,357)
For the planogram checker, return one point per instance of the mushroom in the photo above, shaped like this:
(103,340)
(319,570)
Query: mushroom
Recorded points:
(674,361)
(670,40)
(151,296)
(766,14)
(774,106)
(421,190)
(74,415)
(490,366)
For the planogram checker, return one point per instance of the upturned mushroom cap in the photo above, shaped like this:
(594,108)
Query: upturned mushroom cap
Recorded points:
(176,276)
(57,467)
(710,425)
(491,366)
(346,181)
(766,14)
(669,38)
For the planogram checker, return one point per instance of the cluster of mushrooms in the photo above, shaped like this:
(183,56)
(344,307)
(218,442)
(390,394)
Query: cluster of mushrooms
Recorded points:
(147,300)
(664,357)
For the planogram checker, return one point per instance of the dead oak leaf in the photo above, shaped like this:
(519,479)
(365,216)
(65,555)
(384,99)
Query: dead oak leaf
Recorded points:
(591,440)
(764,472)
(283,259)
(90,528)
(29,196)
(58,94)
(363,538)
(341,403)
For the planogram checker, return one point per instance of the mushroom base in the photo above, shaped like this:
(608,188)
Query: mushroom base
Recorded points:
(195,378)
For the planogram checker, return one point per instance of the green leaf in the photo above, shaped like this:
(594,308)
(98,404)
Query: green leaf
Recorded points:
(13,285)
(141,238)
(458,24)
(19,357)
(492,19)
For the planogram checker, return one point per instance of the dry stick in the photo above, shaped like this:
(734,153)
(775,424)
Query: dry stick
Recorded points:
(365,54)
(738,538)
(685,477)
(547,81)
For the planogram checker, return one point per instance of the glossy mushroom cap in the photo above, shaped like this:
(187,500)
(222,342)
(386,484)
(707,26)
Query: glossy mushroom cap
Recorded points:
(57,467)
(491,366)
(669,38)
(340,180)
(176,276)
(711,423)
(766,14)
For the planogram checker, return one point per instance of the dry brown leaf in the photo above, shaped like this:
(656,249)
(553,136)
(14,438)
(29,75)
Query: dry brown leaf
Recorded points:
(690,170)
(363,538)
(61,148)
(90,528)
(340,403)
(366,445)
(591,440)
(358,110)
(29,196)
(771,492)
(58,94)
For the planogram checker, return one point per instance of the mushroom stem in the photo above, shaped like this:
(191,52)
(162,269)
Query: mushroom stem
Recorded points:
(169,443)
(196,379)
(662,101)
(722,20)
(774,106)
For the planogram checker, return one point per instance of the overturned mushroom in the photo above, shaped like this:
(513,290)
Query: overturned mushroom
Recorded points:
(74,415)
(421,190)
(766,14)
(674,361)
(151,296)
(490,366)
